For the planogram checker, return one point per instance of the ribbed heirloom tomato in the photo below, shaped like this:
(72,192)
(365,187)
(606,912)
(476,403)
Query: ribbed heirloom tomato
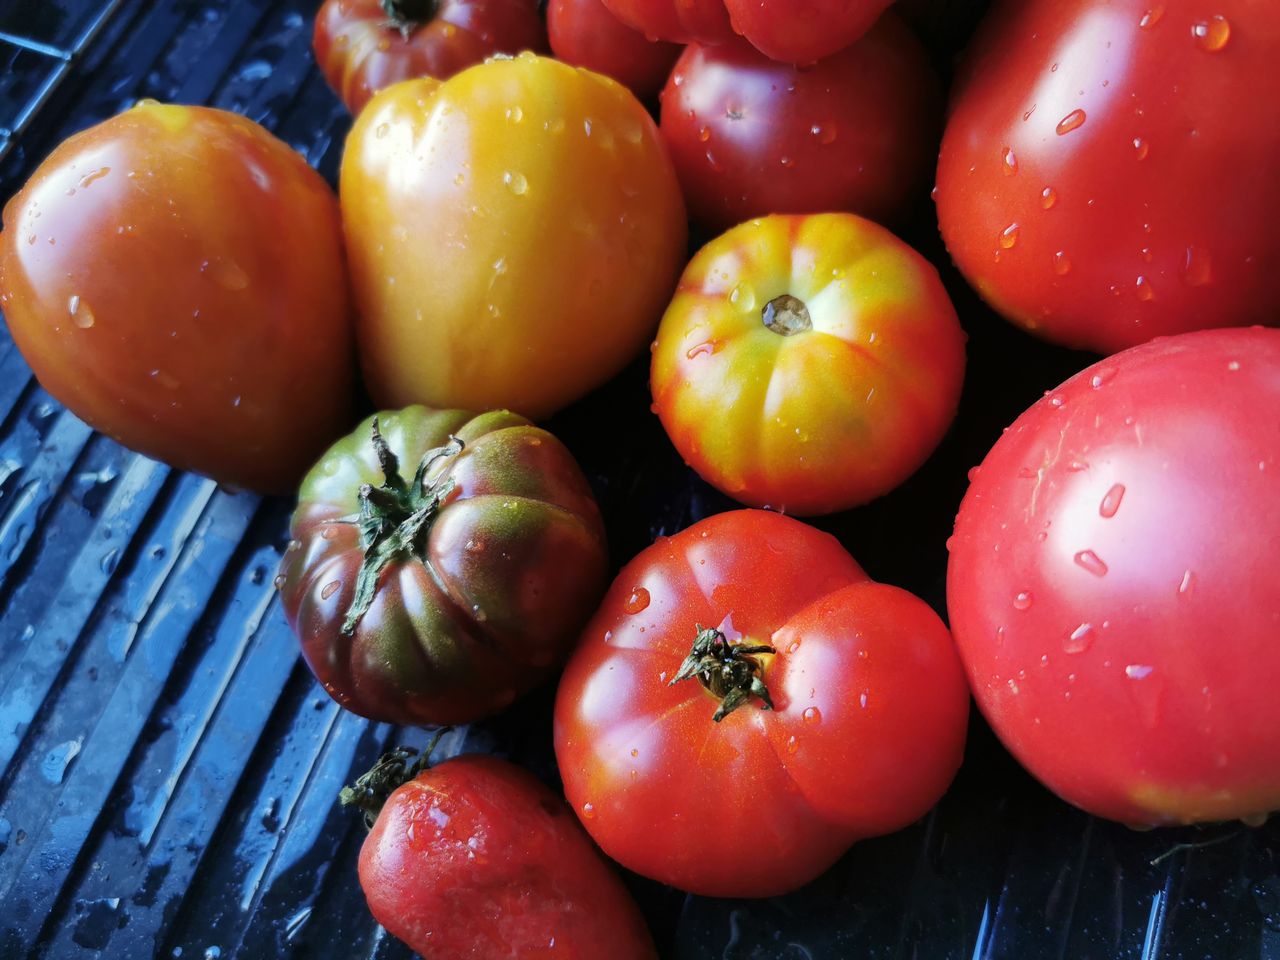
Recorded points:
(585,34)
(440,593)
(174,275)
(513,234)
(365,45)
(473,858)
(1113,587)
(747,703)
(1100,185)
(807,363)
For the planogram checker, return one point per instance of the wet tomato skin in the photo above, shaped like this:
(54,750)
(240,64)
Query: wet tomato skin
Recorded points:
(751,136)
(511,567)
(361,51)
(476,858)
(820,419)
(585,34)
(867,730)
(513,232)
(1112,582)
(175,276)
(1063,183)
(676,21)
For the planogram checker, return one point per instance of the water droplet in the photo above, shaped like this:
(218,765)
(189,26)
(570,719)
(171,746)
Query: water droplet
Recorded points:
(743,296)
(588,810)
(792,744)
(1077,466)
(1143,287)
(825,132)
(702,350)
(329,589)
(166,380)
(1151,17)
(704,134)
(381,130)
(279,581)
(1079,640)
(1212,35)
(1145,253)
(98,174)
(80,312)
(226,273)
(1071,121)
(1137,671)
(586,126)
(811,715)
(1111,501)
(786,161)
(516,183)
(1022,600)
(1197,267)
(1061,263)
(1090,561)
(637,601)
(1141,148)
(109,561)
(1048,197)
(54,766)
(1009,162)
(1188,581)
(515,114)
(1009,236)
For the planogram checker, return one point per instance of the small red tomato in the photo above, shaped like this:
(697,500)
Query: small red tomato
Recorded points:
(677,21)
(474,858)
(1113,586)
(855,132)
(1095,187)
(440,594)
(175,276)
(807,363)
(585,34)
(746,704)
(365,45)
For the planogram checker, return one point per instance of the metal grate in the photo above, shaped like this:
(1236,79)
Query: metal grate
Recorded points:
(168,768)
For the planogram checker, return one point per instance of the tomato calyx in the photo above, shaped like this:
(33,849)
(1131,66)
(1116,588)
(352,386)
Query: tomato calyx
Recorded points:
(728,670)
(395,517)
(407,15)
(394,768)
(786,315)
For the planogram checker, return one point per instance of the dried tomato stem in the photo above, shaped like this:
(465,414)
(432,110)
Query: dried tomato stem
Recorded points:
(728,670)
(407,15)
(396,767)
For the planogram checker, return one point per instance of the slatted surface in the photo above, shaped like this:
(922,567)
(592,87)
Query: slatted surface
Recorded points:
(168,768)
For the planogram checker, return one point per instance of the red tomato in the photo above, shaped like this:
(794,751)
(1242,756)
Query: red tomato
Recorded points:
(1096,186)
(807,363)
(365,45)
(475,858)
(793,31)
(866,729)
(1113,585)
(750,136)
(585,34)
(175,276)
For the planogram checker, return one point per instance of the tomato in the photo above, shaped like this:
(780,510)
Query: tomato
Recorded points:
(586,34)
(751,136)
(1094,186)
(514,234)
(442,598)
(475,858)
(792,31)
(746,704)
(1112,582)
(365,45)
(175,276)
(807,363)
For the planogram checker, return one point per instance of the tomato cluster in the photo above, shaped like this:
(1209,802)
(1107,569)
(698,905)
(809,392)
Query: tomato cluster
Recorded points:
(511,230)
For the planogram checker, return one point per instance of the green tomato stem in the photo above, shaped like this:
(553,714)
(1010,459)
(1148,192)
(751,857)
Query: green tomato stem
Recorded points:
(728,670)
(398,766)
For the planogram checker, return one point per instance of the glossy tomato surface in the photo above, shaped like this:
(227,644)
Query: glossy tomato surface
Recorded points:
(807,363)
(866,731)
(855,132)
(676,21)
(514,234)
(175,276)
(362,49)
(476,858)
(490,589)
(585,34)
(1096,186)
(1112,582)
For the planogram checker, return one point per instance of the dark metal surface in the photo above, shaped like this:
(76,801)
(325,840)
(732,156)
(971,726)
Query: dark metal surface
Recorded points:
(168,767)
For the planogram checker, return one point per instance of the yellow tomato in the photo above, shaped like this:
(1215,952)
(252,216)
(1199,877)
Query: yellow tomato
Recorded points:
(808,363)
(513,232)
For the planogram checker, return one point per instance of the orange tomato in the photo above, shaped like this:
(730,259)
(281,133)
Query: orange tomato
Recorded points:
(514,233)
(808,363)
(175,276)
